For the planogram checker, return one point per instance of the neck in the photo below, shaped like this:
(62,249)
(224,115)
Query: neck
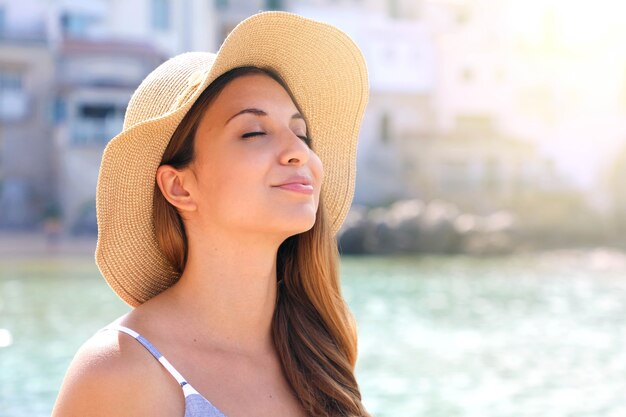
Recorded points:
(229,289)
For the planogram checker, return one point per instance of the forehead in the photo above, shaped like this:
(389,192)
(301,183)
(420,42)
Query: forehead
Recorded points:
(253,89)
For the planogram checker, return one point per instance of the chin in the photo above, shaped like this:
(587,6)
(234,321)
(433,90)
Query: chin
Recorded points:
(286,221)
(304,227)
(297,226)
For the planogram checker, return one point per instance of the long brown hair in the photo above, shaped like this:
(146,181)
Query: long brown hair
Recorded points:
(313,329)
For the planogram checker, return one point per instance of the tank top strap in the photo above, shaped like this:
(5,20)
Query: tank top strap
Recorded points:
(153,350)
(195,404)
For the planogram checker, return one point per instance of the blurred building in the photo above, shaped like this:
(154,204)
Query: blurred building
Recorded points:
(453,112)
(401,65)
(67,71)
(536,82)
(438,94)
(103,51)
(401,68)
(477,167)
(169,26)
(228,13)
(471,62)
(474,157)
(93,85)
(26,84)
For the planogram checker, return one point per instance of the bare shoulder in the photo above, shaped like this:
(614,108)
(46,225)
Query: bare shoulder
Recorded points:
(113,375)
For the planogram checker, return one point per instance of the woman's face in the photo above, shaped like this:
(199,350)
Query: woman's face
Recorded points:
(254,170)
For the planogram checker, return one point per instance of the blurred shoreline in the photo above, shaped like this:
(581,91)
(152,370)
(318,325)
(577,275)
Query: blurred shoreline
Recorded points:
(41,245)
(25,245)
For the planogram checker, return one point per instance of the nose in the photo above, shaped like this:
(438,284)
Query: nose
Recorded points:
(294,151)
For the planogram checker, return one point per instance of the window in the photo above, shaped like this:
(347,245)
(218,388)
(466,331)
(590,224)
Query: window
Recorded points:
(13,98)
(454,175)
(2,21)
(499,75)
(96,123)
(463,16)
(393,9)
(491,173)
(76,24)
(467,75)
(623,93)
(476,122)
(274,4)
(221,4)
(161,14)
(385,134)
(10,80)
(58,110)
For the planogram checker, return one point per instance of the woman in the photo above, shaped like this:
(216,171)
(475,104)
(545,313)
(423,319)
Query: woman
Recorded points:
(214,224)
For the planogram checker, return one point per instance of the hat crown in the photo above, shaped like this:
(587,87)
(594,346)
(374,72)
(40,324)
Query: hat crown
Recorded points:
(167,87)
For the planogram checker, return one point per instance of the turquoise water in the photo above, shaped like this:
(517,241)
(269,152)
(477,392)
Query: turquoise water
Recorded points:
(522,336)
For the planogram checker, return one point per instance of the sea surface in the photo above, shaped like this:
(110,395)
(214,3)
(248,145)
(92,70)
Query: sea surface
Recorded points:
(439,336)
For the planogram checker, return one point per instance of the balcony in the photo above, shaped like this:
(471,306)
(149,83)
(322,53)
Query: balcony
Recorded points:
(94,133)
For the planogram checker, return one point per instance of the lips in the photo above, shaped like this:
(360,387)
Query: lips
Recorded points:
(298,184)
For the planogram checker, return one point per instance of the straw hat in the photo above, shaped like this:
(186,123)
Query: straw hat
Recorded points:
(325,71)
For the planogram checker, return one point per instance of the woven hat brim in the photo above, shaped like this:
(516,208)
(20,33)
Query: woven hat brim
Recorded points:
(327,75)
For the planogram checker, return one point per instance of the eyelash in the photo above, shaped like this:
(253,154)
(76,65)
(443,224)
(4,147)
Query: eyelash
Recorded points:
(251,134)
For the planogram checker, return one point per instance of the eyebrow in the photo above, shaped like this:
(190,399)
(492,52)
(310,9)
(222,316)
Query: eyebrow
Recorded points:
(260,113)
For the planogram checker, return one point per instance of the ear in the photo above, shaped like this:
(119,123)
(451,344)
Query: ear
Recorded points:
(175,186)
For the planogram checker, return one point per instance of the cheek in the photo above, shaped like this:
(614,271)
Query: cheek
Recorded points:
(232,183)
(317,169)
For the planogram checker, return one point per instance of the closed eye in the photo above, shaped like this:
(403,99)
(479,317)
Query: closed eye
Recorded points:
(306,140)
(251,134)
